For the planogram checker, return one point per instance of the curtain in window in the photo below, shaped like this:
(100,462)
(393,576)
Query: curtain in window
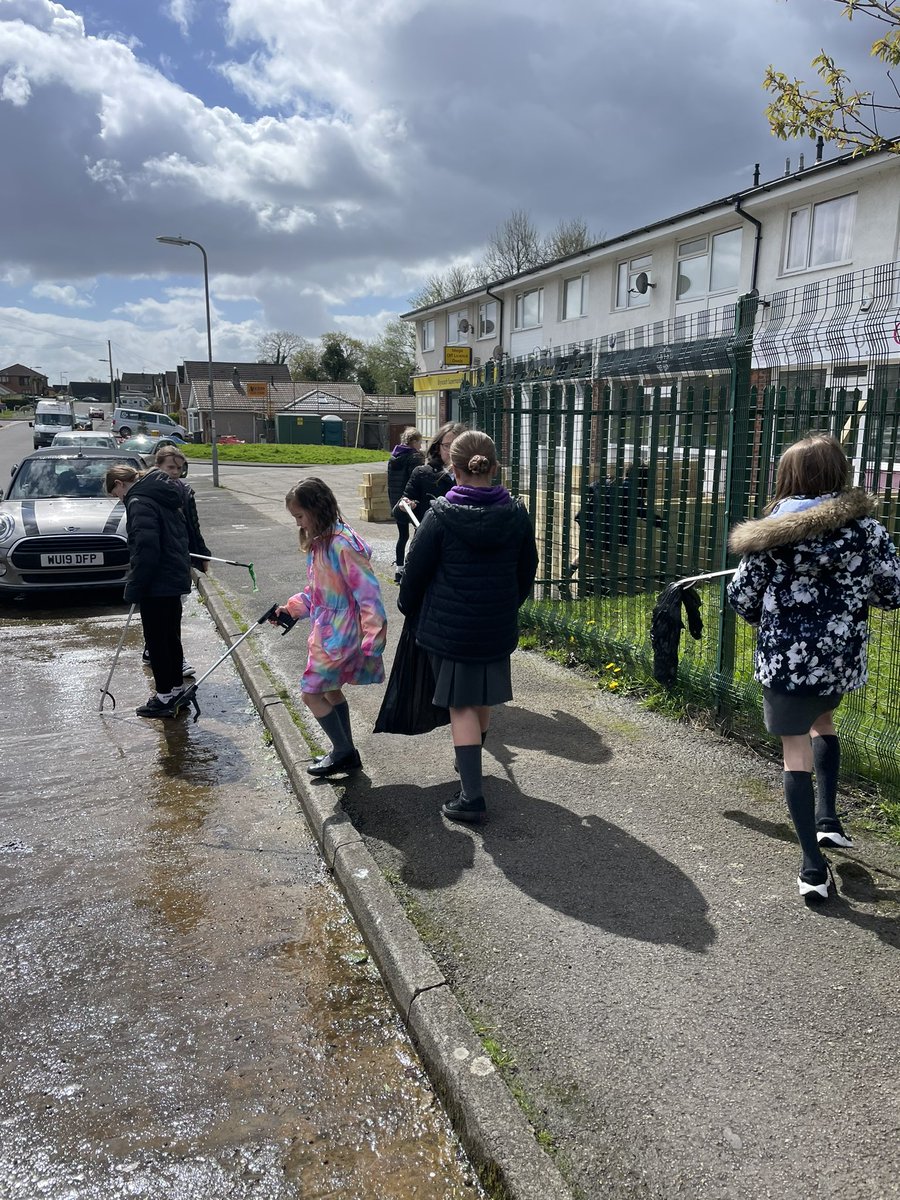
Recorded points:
(832,231)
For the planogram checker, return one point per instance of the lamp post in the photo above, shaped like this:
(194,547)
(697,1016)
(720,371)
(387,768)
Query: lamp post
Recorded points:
(179,241)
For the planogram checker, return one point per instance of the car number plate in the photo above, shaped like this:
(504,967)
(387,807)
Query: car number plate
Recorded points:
(72,559)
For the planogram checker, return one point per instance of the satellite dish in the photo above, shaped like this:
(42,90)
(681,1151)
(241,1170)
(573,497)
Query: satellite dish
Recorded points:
(497,353)
(463,326)
(642,283)
(487,327)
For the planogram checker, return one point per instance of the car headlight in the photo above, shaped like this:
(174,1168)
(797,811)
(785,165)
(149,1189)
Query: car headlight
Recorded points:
(7,525)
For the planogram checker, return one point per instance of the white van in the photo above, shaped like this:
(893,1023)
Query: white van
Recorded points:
(50,418)
(126,421)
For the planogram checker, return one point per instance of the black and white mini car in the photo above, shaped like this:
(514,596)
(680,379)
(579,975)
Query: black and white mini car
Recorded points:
(58,527)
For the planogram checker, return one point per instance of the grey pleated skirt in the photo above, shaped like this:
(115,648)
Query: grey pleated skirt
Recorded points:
(787,714)
(468,684)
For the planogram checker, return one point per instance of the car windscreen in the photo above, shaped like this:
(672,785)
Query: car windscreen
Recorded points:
(43,479)
(52,418)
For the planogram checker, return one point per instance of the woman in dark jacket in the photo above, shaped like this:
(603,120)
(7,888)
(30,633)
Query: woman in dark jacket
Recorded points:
(160,572)
(434,478)
(405,457)
(469,569)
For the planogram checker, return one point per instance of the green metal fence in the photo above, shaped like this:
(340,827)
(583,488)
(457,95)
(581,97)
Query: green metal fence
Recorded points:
(636,458)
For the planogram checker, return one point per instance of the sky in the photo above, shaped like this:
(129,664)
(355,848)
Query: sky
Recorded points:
(331,155)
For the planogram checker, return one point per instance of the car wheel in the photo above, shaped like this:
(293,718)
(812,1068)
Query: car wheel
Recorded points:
(125,431)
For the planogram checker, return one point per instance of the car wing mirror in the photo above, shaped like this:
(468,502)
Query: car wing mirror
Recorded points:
(31,424)
(13,469)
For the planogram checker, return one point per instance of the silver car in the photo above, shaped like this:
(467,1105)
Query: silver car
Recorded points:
(58,527)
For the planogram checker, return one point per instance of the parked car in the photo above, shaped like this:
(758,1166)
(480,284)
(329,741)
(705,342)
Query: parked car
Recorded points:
(147,446)
(82,421)
(80,437)
(58,527)
(96,413)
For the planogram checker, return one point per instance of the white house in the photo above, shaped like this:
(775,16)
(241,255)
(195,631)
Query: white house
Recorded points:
(818,241)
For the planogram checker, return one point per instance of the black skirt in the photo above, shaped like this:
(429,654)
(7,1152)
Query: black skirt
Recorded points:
(470,684)
(788,714)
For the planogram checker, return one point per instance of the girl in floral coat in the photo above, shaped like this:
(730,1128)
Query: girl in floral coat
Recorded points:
(343,601)
(810,571)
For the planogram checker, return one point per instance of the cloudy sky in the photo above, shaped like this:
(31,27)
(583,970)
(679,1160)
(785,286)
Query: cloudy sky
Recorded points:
(332,154)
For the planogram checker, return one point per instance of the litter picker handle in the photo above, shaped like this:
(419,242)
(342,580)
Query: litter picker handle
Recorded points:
(284,619)
(409,512)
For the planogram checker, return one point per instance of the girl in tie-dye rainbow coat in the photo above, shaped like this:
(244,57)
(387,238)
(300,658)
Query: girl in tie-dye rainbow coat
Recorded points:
(342,598)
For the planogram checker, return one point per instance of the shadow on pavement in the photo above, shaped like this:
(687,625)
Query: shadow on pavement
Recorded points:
(583,867)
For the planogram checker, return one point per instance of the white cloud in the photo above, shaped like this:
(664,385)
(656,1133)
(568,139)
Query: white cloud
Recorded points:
(181,12)
(60,294)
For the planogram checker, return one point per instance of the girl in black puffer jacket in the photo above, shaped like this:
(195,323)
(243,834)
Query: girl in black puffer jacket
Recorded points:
(470,567)
(405,457)
(160,572)
(433,478)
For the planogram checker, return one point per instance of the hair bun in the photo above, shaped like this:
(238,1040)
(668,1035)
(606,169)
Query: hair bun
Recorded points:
(479,465)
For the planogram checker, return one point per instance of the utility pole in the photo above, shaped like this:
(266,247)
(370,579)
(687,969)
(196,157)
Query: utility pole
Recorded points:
(112,386)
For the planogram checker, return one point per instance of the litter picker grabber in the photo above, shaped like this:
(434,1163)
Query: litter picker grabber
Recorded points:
(189,695)
(666,622)
(104,691)
(231,563)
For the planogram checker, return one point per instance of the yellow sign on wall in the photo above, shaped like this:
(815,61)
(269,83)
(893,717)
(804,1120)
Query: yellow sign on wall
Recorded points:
(435,383)
(458,356)
(257,391)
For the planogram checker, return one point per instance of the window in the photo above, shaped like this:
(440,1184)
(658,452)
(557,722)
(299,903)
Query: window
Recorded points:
(487,318)
(428,334)
(457,327)
(530,308)
(709,264)
(627,295)
(820,234)
(574,297)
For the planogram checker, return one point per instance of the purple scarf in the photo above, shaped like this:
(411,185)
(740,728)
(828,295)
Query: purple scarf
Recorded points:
(400,450)
(462,494)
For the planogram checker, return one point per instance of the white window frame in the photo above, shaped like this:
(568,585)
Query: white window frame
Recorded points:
(427,336)
(704,247)
(565,315)
(626,273)
(484,316)
(519,308)
(801,255)
(455,336)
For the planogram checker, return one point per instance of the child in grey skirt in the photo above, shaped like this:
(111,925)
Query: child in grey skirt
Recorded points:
(810,570)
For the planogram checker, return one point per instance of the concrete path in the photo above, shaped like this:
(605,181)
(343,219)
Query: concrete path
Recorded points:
(625,932)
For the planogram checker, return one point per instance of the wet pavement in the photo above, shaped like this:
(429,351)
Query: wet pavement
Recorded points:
(188,1009)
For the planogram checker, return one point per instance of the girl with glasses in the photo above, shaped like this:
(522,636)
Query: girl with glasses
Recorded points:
(434,477)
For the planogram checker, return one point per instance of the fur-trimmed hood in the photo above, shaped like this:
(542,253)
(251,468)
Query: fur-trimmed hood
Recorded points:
(788,529)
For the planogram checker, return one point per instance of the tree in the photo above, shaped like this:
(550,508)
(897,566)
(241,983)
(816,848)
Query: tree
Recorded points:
(278,346)
(841,116)
(342,356)
(513,247)
(568,238)
(306,361)
(456,280)
(390,360)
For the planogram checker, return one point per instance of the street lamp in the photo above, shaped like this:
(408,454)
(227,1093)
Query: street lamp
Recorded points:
(179,241)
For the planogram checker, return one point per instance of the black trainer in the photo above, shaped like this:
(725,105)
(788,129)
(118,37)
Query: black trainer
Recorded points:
(145,656)
(335,764)
(158,708)
(460,808)
(830,835)
(814,885)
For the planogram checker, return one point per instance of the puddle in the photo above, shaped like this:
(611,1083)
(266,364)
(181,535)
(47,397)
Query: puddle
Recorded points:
(190,1009)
